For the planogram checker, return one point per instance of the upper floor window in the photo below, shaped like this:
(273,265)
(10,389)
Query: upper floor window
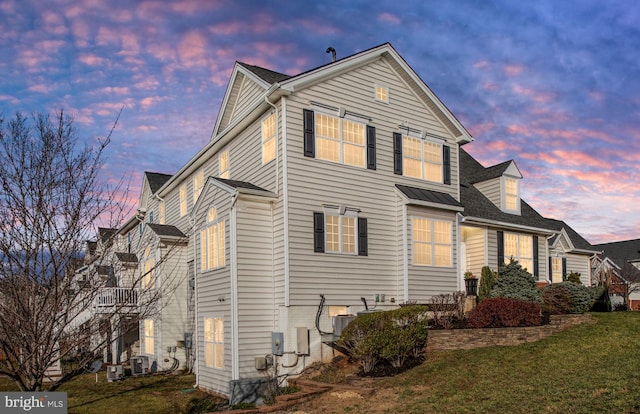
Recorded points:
(339,140)
(198,183)
(212,242)
(431,242)
(223,161)
(519,247)
(148,269)
(340,230)
(183,200)
(382,93)
(511,194)
(161,212)
(269,138)
(421,159)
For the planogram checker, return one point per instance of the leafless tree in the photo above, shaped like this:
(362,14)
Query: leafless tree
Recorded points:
(51,200)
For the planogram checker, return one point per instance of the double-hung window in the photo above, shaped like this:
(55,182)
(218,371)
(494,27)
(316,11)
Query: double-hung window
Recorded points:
(198,183)
(223,164)
(556,270)
(212,242)
(214,342)
(511,194)
(340,140)
(422,159)
(183,200)
(431,242)
(149,337)
(148,269)
(519,247)
(269,138)
(340,230)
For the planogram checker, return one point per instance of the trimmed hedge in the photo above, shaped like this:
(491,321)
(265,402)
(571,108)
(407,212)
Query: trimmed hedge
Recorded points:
(504,312)
(391,336)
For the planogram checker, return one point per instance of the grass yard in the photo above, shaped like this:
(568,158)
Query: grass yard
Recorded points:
(588,369)
(162,394)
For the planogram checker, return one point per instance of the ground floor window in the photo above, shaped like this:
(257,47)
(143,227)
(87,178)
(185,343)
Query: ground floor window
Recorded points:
(519,247)
(149,337)
(431,242)
(214,342)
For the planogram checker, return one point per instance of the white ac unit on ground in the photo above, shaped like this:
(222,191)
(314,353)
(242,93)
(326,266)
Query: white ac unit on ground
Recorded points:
(139,365)
(115,372)
(340,322)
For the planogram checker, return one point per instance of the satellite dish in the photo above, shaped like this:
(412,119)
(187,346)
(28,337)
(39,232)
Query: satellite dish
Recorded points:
(95,366)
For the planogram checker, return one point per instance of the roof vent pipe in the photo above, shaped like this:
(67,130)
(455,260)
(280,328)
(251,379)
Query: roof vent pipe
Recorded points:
(333,53)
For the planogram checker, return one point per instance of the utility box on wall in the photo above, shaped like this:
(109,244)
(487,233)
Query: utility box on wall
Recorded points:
(277,343)
(302,340)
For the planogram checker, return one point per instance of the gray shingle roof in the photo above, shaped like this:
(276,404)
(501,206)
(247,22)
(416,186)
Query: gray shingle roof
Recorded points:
(156,180)
(166,230)
(239,184)
(127,257)
(628,250)
(420,194)
(266,75)
(578,241)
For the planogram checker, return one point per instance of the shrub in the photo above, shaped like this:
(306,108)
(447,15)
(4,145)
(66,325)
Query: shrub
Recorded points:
(487,281)
(602,301)
(577,298)
(514,282)
(574,277)
(391,336)
(447,309)
(504,312)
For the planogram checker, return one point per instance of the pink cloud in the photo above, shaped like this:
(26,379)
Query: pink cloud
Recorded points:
(123,90)
(192,50)
(512,70)
(149,101)
(53,23)
(227,28)
(91,60)
(11,99)
(536,96)
(481,64)
(318,27)
(480,129)
(40,88)
(489,86)
(389,18)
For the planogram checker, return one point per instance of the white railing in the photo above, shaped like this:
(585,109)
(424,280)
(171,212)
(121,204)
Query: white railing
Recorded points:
(117,296)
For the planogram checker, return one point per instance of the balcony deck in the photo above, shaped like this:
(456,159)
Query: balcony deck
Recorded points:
(117,299)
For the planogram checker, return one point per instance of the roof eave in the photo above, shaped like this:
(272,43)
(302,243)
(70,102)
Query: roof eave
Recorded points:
(504,225)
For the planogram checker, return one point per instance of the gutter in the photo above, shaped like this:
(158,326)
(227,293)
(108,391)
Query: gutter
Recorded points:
(503,225)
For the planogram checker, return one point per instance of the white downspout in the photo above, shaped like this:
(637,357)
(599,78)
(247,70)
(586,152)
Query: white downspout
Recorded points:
(405,253)
(285,200)
(194,337)
(235,355)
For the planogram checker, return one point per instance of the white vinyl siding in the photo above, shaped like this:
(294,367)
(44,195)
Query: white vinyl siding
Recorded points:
(431,242)
(214,342)
(519,247)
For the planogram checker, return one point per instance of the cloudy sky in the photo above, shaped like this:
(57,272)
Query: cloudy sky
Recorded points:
(554,85)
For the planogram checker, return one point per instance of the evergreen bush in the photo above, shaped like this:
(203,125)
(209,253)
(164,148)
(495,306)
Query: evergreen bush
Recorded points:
(392,336)
(487,281)
(514,282)
(504,312)
(574,277)
(576,297)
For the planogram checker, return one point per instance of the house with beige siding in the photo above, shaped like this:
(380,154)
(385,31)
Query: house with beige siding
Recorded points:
(338,190)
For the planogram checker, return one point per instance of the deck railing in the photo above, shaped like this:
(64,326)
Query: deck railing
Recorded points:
(117,296)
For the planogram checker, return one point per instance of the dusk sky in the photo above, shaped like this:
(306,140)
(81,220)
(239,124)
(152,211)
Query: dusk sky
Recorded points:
(554,85)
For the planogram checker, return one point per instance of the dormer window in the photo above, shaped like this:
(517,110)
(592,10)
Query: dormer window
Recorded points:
(511,195)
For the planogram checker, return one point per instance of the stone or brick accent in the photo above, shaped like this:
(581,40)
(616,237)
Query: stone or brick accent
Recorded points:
(451,339)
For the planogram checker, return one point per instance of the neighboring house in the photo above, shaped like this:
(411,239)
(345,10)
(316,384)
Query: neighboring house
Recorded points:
(343,186)
(620,261)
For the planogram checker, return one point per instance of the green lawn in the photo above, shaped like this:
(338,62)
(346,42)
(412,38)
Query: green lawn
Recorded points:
(588,369)
(150,394)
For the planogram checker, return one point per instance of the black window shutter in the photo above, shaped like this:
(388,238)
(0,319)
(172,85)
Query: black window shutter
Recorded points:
(446,164)
(536,258)
(363,246)
(500,249)
(318,232)
(550,269)
(564,269)
(397,153)
(309,133)
(371,147)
